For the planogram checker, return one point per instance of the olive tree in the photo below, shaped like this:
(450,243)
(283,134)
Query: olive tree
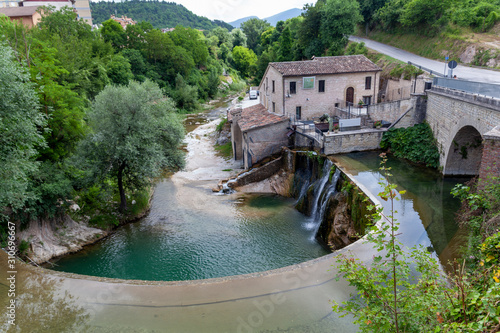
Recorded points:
(136,134)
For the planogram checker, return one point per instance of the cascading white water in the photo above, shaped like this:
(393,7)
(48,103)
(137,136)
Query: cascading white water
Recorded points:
(324,201)
(303,191)
(321,196)
(319,185)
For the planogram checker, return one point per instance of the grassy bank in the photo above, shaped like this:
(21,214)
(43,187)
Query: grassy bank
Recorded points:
(452,42)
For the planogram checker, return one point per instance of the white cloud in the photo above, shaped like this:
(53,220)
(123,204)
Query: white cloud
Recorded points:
(231,10)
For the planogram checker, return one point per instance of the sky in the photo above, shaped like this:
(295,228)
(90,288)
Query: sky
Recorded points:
(231,10)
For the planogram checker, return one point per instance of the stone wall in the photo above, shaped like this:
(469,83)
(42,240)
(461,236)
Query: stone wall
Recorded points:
(393,111)
(236,137)
(302,140)
(258,174)
(263,142)
(452,115)
(347,142)
(490,163)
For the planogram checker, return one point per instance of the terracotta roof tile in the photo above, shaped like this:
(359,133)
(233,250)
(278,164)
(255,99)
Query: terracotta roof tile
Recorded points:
(257,116)
(326,65)
(18,11)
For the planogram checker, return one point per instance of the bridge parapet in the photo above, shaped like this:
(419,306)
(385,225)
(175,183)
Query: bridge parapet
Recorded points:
(485,101)
(459,121)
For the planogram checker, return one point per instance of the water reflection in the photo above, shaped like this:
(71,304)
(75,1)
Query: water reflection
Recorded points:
(41,304)
(426,211)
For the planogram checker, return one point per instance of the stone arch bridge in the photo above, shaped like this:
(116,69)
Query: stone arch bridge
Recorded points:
(467,128)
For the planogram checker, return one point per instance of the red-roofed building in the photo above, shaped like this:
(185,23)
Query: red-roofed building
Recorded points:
(124,21)
(256,133)
(307,89)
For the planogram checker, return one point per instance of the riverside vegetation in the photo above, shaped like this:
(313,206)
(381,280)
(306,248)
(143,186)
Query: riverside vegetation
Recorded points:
(89,118)
(404,290)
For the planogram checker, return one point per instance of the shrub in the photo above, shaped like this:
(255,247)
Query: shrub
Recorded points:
(220,125)
(416,144)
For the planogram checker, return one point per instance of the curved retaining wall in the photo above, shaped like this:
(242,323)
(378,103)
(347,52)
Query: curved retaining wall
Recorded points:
(295,298)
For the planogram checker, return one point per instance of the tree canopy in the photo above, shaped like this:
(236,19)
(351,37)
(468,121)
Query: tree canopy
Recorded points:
(159,13)
(135,135)
(20,124)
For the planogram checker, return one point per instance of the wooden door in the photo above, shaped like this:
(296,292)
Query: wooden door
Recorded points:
(349,96)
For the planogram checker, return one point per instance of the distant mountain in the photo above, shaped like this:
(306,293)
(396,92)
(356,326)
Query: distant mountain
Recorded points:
(283,16)
(160,14)
(237,23)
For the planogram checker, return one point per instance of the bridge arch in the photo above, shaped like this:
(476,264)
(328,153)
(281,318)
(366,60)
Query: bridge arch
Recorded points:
(464,152)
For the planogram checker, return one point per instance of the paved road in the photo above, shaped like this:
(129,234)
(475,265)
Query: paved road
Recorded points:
(462,72)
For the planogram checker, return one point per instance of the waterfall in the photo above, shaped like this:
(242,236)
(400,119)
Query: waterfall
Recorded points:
(319,185)
(303,191)
(322,194)
(324,201)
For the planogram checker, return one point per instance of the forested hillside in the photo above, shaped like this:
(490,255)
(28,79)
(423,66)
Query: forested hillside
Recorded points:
(159,13)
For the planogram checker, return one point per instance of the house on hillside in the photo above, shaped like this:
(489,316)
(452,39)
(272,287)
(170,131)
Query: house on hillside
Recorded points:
(29,16)
(256,133)
(80,7)
(124,21)
(307,89)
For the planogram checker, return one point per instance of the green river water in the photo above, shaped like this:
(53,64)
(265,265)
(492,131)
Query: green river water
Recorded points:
(243,233)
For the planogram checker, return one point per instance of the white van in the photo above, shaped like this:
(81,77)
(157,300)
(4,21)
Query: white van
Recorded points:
(253,94)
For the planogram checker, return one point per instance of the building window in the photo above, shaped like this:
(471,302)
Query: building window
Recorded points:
(293,87)
(267,84)
(308,83)
(274,106)
(273,86)
(321,86)
(368,82)
(298,112)
(367,100)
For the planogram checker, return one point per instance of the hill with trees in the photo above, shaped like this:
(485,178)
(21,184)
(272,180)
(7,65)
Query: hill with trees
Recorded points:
(159,13)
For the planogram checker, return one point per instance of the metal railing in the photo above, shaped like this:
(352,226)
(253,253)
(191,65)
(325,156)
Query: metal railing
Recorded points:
(480,88)
(430,71)
(351,111)
(306,128)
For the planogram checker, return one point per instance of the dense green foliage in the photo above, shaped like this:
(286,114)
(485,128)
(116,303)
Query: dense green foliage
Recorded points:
(480,211)
(51,118)
(20,124)
(428,17)
(416,144)
(403,290)
(135,135)
(159,13)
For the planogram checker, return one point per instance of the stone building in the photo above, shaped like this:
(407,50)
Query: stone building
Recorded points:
(124,21)
(256,133)
(80,7)
(29,16)
(306,89)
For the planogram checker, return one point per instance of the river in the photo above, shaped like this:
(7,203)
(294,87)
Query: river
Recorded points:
(289,299)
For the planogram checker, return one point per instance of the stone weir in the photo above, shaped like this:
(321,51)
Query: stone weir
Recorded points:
(337,209)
